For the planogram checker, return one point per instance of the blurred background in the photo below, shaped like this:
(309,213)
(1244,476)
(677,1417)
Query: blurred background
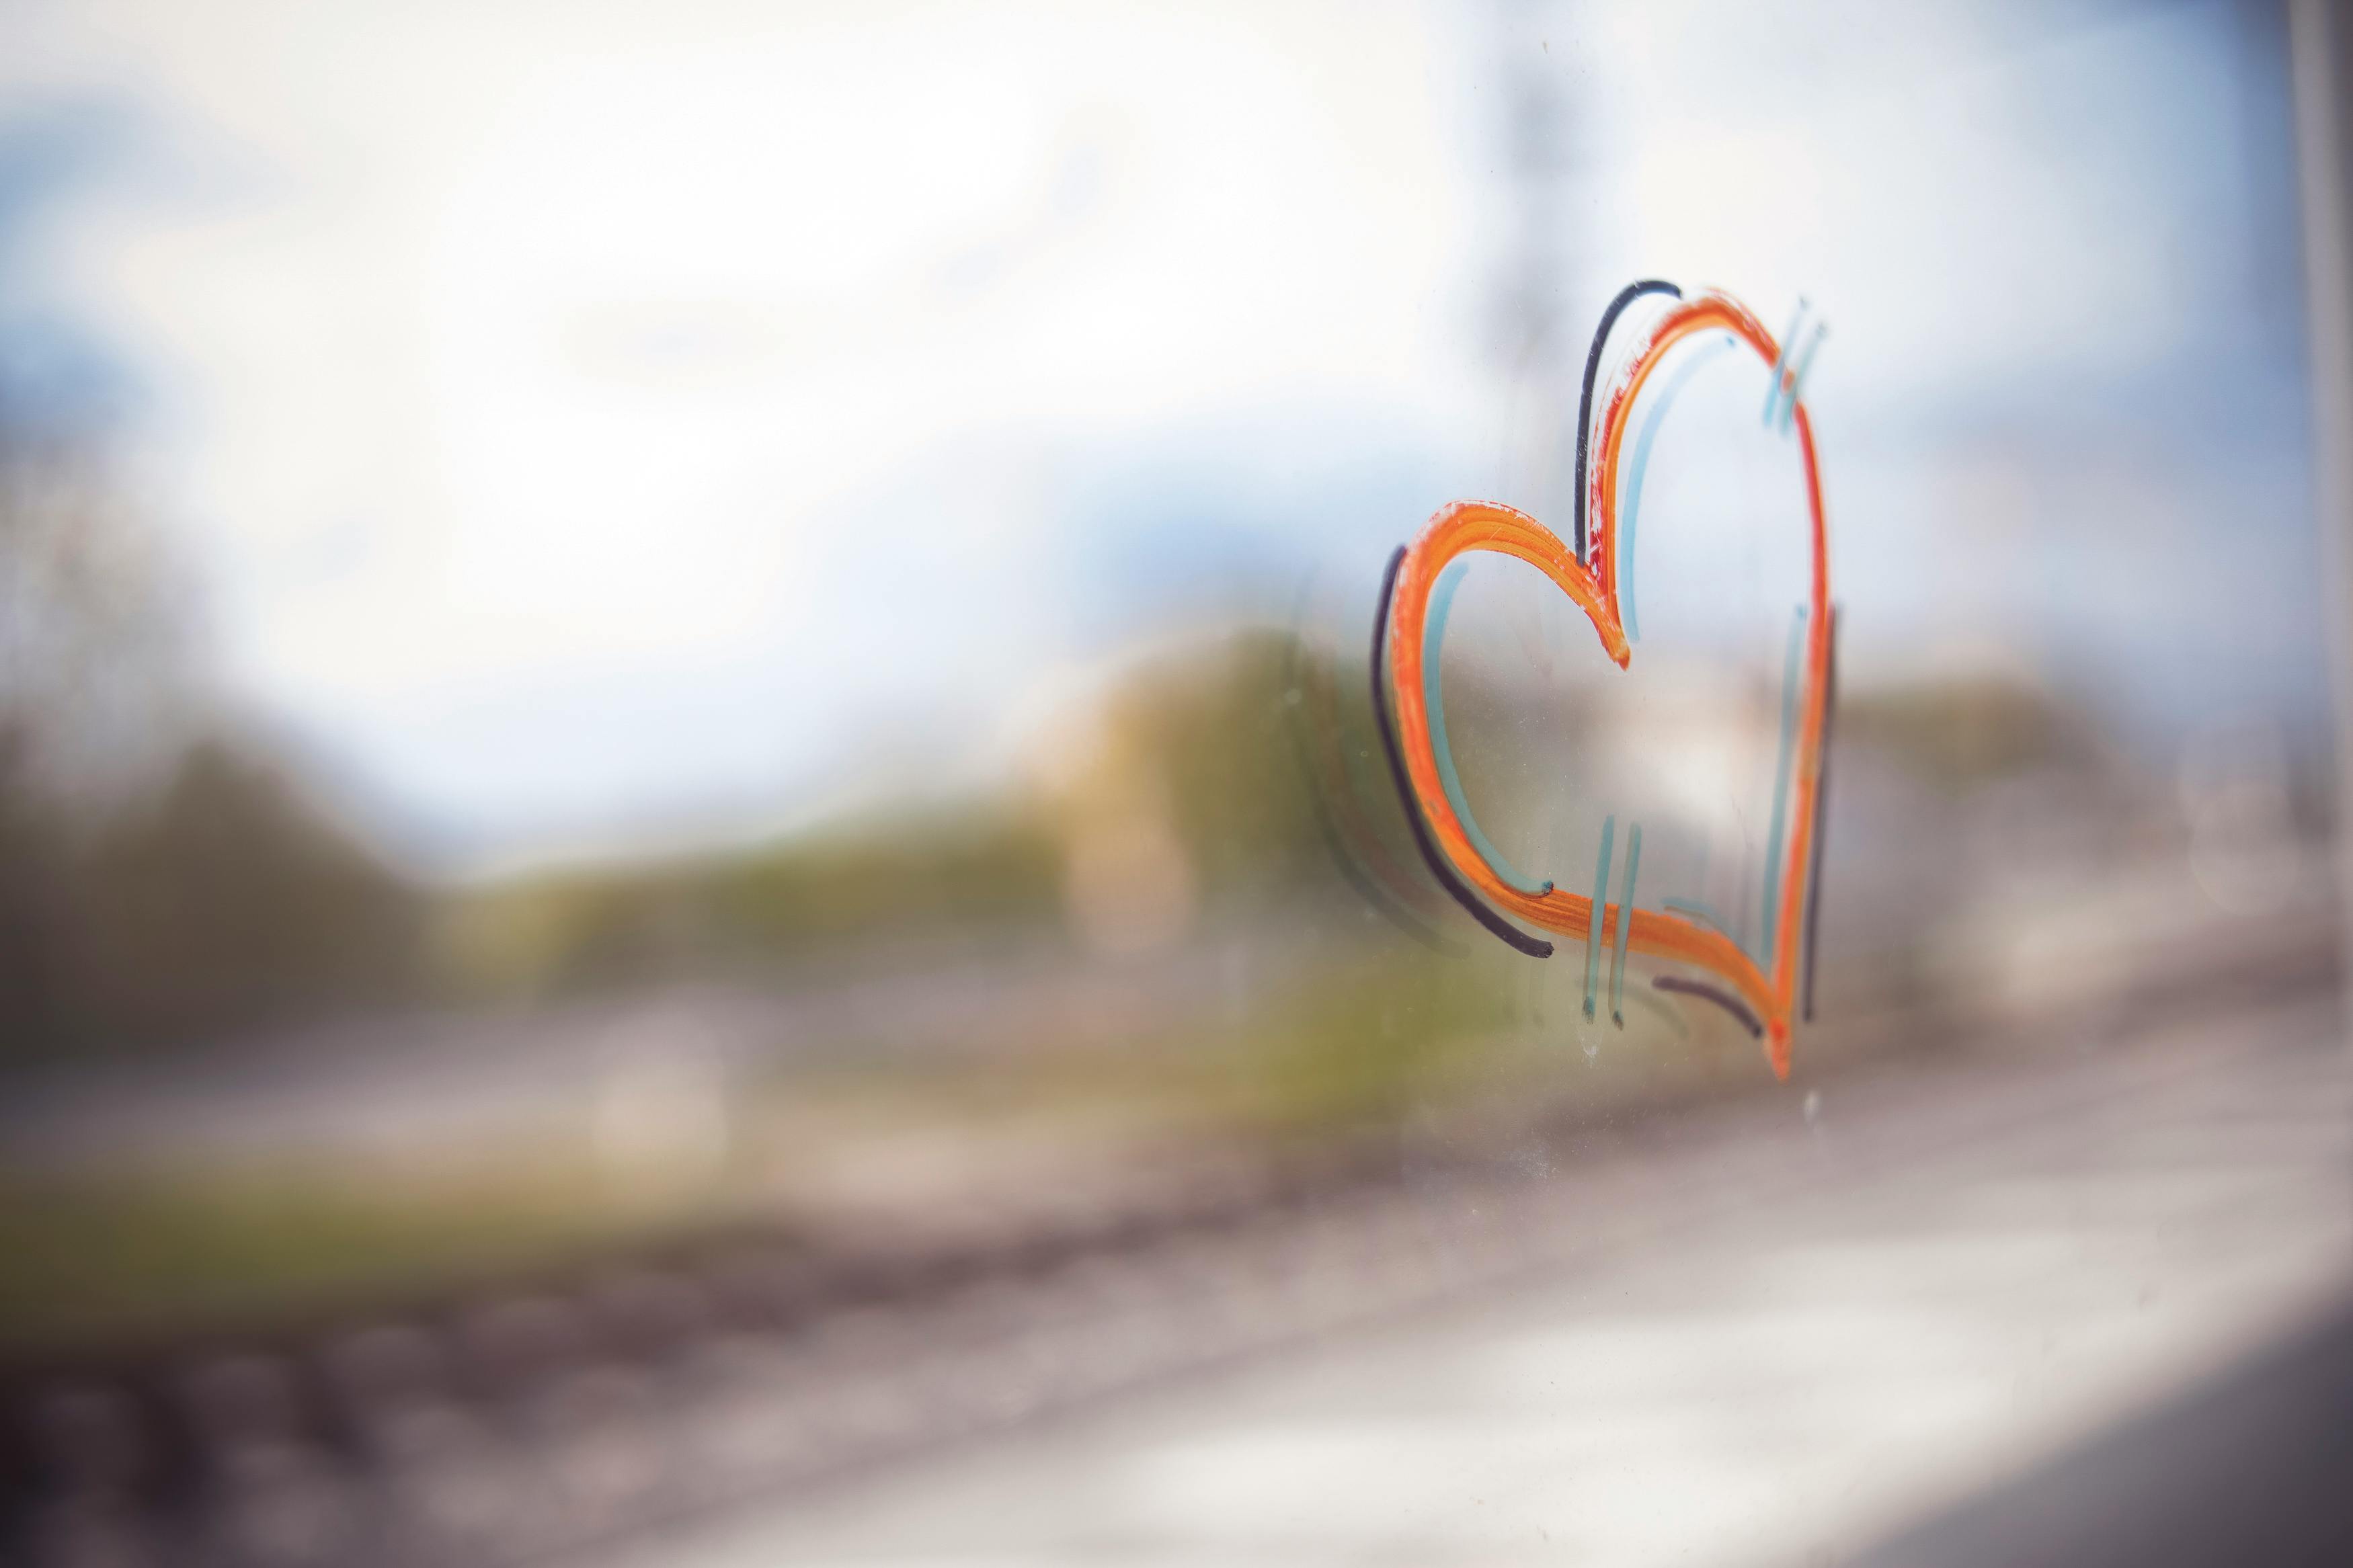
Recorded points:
(691,854)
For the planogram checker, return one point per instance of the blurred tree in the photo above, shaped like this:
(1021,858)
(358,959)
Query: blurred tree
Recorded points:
(1210,729)
(227,901)
(156,884)
(1173,803)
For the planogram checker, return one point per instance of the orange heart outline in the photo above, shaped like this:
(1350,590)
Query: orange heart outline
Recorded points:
(1461,527)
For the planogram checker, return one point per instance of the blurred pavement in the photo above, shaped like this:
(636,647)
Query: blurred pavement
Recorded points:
(1789,1330)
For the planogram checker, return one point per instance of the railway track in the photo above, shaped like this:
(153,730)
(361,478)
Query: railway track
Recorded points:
(534,1421)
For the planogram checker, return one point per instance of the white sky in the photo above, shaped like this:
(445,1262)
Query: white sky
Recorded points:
(513,353)
(586,416)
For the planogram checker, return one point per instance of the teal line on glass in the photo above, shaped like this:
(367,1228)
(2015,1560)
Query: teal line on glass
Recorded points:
(1433,699)
(1782,782)
(1781,363)
(1798,375)
(1593,926)
(1642,465)
(1693,907)
(1625,924)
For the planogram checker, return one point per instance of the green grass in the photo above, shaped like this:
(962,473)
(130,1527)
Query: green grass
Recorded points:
(125,1257)
(1357,1043)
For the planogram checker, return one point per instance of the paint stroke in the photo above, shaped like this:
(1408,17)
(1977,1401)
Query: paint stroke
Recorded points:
(1781,778)
(1781,364)
(1600,893)
(1697,910)
(1625,923)
(1441,604)
(1440,868)
(1617,308)
(1675,985)
(1361,866)
(1797,374)
(1822,817)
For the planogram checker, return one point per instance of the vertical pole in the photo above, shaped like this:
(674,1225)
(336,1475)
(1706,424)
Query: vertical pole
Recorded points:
(2319,34)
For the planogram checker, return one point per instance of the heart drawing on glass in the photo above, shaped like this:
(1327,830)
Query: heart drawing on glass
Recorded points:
(1764,982)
